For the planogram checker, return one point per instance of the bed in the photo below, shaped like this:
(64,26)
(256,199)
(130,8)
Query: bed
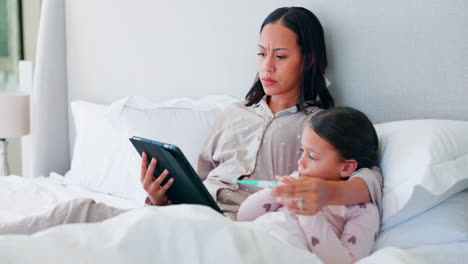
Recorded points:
(108,70)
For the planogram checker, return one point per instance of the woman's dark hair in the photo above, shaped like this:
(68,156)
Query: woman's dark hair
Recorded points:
(310,37)
(350,132)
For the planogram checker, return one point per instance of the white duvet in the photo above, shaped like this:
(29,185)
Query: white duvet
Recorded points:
(21,197)
(173,234)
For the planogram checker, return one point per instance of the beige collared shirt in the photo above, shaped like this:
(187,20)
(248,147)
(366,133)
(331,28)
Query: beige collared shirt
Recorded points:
(254,144)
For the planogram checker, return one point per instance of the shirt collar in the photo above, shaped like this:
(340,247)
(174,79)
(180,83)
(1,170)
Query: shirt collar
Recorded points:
(263,108)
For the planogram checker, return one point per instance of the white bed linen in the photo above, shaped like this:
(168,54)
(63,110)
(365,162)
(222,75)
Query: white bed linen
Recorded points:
(445,223)
(184,234)
(21,197)
(181,234)
(174,234)
(450,253)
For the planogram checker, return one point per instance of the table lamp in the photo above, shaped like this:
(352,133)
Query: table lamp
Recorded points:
(14,122)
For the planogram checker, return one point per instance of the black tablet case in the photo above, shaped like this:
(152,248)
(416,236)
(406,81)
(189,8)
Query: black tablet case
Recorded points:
(187,187)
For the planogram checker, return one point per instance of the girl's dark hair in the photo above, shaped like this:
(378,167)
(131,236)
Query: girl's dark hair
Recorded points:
(309,32)
(350,132)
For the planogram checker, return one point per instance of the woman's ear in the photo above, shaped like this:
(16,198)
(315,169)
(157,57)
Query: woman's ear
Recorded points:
(349,167)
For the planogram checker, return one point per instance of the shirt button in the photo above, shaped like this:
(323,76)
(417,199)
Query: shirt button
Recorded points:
(259,138)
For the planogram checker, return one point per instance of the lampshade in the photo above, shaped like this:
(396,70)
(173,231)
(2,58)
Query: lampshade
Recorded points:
(14,114)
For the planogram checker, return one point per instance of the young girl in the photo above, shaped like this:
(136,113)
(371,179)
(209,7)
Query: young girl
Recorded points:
(336,144)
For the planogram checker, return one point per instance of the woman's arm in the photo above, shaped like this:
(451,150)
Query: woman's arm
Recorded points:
(205,163)
(364,186)
(353,191)
(373,180)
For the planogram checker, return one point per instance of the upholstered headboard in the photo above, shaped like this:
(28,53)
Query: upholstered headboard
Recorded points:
(393,60)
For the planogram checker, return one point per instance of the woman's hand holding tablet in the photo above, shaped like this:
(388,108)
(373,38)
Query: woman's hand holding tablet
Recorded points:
(183,186)
(156,191)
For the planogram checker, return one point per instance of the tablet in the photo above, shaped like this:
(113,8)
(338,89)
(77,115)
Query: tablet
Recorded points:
(187,187)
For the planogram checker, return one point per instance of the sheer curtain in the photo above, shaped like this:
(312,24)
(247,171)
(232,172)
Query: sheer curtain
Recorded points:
(46,149)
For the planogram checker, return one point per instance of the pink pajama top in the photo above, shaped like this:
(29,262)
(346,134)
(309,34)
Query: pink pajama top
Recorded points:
(337,234)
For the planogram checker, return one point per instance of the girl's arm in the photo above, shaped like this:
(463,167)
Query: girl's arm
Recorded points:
(256,205)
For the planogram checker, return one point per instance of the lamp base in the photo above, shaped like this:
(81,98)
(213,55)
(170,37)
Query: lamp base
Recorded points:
(4,170)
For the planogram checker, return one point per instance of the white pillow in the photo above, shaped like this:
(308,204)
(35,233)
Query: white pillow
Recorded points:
(104,159)
(445,223)
(101,162)
(423,163)
(183,122)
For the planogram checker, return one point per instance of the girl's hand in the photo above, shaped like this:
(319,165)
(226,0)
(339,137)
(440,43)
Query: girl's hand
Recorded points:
(314,193)
(156,192)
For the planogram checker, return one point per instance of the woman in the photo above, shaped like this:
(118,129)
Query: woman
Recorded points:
(256,139)
(260,138)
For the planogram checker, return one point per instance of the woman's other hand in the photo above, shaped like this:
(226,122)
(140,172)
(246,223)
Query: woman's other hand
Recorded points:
(156,192)
(313,192)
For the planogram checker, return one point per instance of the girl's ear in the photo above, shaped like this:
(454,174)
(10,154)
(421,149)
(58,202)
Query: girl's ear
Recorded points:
(349,167)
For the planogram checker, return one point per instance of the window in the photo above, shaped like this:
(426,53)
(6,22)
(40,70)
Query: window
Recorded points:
(10,43)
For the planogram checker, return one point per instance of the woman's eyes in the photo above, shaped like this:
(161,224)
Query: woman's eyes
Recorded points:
(277,56)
